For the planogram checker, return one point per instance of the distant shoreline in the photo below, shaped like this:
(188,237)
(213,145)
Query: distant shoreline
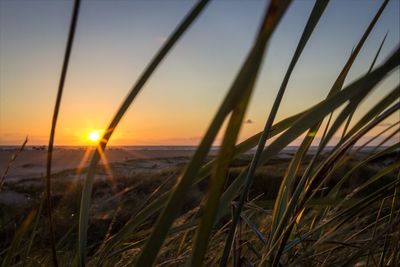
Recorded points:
(154,148)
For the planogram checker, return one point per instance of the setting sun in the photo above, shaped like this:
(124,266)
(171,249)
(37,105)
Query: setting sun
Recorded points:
(94,136)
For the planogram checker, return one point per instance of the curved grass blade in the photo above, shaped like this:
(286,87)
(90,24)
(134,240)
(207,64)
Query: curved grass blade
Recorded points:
(365,83)
(334,156)
(287,183)
(390,136)
(375,137)
(387,170)
(237,91)
(226,152)
(335,190)
(70,40)
(218,178)
(385,102)
(311,189)
(311,23)
(316,113)
(370,68)
(160,202)
(87,188)
(372,113)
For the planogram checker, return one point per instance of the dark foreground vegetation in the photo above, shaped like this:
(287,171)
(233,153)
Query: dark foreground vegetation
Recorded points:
(137,183)
(336,207)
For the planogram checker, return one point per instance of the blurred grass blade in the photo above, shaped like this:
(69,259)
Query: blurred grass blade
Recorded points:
(160,202)
(226,153)
(366,84)
(315,15)
(70,41)
(303,148)
(287,183)
(19,234)
(235,95)
(87,189)
(319,111)
(320,175)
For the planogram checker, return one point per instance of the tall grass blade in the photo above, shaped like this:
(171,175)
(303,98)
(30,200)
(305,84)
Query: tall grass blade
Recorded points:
(335,190)
(315,15)
(87,188)
(70,40)
(365,83)
(370,68)
(390,136)
(226,153)
(375,137)
(319,111)
(160,202)
(374,111)
(283,194)
(232,99)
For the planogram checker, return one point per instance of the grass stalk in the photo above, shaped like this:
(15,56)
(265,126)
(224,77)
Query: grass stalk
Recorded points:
(67,54)
(88,184)
(311,23)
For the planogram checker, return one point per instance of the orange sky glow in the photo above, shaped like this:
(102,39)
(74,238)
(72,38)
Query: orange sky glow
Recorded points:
(114,43)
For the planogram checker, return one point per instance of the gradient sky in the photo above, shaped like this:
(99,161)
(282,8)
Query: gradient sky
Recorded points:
(116,39)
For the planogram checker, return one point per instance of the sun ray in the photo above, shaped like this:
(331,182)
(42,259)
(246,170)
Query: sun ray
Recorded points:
(106,165)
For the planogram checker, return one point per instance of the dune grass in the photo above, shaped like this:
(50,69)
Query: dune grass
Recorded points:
(316,218)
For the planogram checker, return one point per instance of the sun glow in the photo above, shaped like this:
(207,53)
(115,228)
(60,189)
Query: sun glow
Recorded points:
(94,136)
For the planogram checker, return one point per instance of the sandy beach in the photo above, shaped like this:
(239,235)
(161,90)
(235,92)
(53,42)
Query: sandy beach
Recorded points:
(32,163)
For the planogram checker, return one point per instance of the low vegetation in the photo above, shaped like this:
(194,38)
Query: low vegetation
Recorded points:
(321,206)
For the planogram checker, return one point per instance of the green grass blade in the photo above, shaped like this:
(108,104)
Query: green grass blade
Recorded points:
(87,188)
(315,15)
(237,91)
(288,180)
(373,112)
(320,176)
(370,68)
(304,178)
(160,202)
(319,111)
(375,137)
